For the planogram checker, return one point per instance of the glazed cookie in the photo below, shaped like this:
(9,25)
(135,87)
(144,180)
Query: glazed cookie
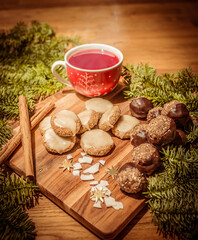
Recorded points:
(139,135)
(99,105)
(65,123)
(130,179)
(124,126)
(96,142)
(89,119)
(57,144)
(109,118)
(45,124)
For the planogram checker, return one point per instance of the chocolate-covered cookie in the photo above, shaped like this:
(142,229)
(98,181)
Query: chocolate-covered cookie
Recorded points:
(139,135)
(161,130)
(140,106)
(130,179)
(153,113)
(146,158)
(178,112)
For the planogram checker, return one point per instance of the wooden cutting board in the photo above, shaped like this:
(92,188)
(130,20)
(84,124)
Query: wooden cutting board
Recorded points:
(68,191)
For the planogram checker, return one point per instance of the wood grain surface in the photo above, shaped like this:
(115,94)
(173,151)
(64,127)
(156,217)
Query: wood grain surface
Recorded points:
(163,34)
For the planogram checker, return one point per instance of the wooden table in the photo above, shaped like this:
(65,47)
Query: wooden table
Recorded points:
(163,34)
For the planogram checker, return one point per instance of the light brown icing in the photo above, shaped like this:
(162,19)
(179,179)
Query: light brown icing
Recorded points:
(56,142)
(106,117)
(66,119)
(98,104)
(126,123)
(96,138)
(85,118)
(45,124)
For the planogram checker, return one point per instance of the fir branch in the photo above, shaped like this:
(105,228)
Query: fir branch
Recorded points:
(15,224)
(15,196)
(142,80)
(5,131)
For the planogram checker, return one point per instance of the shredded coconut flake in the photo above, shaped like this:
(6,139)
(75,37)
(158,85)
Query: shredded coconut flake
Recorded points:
(97,204)
(69,156)
(109,201)
(83,154)
(77,166)
(104,183)
(87,177)
(85,159)
(93,183)
(118,205)
(76,173)
(93,169)
(102,162)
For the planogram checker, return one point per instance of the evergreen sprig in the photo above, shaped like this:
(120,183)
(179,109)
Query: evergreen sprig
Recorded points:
(16,195)
(5,131)
(142,80)
(26,56)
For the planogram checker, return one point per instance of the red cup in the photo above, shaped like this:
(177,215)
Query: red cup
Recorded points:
(90,82)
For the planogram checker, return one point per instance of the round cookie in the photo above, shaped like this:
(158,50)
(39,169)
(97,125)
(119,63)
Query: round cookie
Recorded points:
(99,105)
(146,158)
(109,118)
(140,106)
(124,126)
(65,123)
(154,112)
(89,119)
(45,124)
(96,142)
(130,179)
(139,135)
(178,112)
(57,144)
(161,130)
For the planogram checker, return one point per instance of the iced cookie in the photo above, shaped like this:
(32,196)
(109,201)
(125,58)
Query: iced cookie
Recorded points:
(89,119)
(57,144)
(45,124)
(99,105)
(124,126)
(65,123)
(96,142)
(109,118)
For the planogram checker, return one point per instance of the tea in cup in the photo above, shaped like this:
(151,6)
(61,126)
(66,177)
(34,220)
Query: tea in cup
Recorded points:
(92,69)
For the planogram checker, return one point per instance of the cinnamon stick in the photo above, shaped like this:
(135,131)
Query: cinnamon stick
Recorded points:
(14,142)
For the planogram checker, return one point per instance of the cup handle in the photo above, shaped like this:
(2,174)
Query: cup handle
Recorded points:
(56,75)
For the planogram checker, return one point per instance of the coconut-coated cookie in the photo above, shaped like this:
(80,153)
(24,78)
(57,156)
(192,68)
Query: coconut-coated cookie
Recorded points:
(109,118)
(89,119)
(96,142)
(45,124)
(65,123)
(57,144)
(130,179)
(99,105)
(124,126)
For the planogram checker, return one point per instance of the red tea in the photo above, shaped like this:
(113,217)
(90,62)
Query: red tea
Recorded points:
(93,59)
